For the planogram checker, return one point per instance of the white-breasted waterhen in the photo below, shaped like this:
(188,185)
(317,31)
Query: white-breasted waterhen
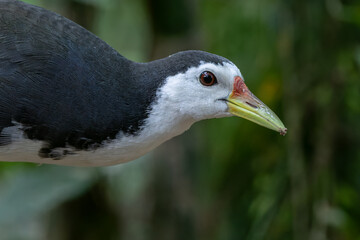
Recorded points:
(68,98)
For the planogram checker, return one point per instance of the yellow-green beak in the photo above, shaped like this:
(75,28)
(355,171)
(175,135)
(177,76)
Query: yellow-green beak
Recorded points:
(243,103)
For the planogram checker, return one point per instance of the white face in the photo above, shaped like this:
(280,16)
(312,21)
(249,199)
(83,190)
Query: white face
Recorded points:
(188,97)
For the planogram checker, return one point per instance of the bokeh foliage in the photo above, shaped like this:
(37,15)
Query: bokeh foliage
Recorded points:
(224,178)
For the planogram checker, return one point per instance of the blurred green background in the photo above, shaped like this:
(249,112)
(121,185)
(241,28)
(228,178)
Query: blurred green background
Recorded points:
(224,178)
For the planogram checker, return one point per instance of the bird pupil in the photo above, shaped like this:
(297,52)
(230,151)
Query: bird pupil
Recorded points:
(208,78)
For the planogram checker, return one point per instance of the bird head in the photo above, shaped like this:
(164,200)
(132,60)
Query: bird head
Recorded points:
(210,86)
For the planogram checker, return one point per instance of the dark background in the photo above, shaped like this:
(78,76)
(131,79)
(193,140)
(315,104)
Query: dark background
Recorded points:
(224,178)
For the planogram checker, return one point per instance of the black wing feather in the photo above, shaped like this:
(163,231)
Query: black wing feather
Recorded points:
(61,82)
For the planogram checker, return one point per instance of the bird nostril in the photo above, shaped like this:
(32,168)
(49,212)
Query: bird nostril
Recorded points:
(251,105)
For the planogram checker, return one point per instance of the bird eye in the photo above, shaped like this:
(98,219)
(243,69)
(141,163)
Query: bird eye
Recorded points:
(207,78)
